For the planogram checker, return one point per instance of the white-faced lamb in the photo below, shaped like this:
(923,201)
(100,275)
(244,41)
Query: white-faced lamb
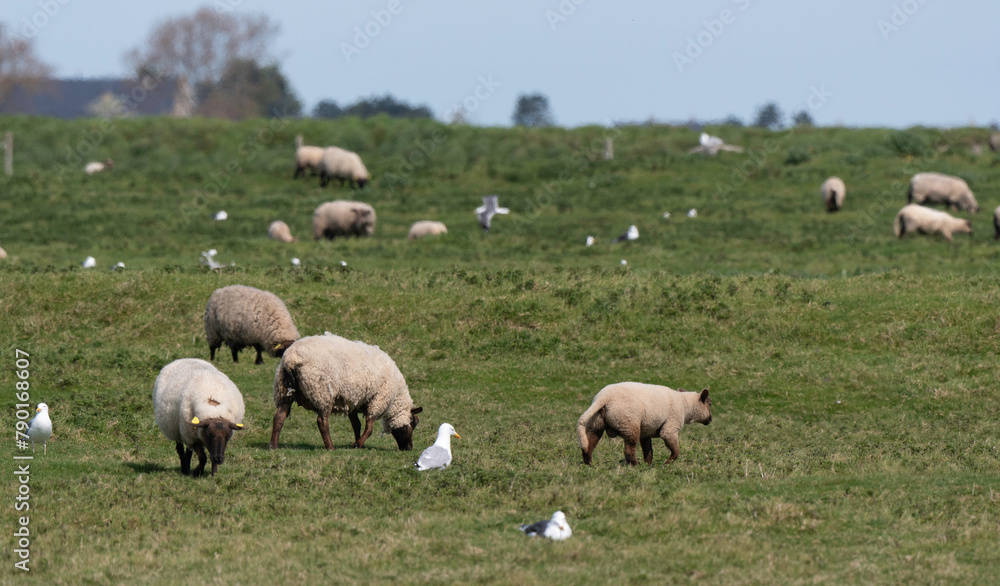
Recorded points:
(327,374)
(343,218)
(279,231)
(244,316)
(97,166)
(937,188)
(426,228)
(639,412)
(833,191)
(917,218)
(338,163)
(197,407)
(306,157)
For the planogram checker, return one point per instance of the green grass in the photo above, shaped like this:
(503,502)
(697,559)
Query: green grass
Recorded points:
(855,417)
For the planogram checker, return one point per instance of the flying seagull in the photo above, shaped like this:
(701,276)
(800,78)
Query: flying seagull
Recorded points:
(208,259)
(631,234)
(489,209)
(556,528)
(40,428)
(439,454)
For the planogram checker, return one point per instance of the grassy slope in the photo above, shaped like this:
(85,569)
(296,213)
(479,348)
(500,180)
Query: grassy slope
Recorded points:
(855,423)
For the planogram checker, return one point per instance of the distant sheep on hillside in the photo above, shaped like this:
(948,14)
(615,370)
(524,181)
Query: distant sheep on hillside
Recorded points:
(279,231)
(244,316)
(343,218)
(306,157)
(337,163)
(833,192)
(917,218)
(426,228)
(937,188)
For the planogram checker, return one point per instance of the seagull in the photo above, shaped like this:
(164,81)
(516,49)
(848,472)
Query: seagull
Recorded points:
(590,240)
(40,428)
(439,454)
(710,141)
(208,259)
(220,216)
(556,528)
(624,262)
(489,209)
(666,215)
(296,261)
(89,262)
(119,266)
(692,213)
(631,234)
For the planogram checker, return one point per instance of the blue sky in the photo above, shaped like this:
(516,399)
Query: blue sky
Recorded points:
(854,62)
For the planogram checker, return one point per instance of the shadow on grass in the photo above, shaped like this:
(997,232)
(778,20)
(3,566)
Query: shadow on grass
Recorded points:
(150,467)
(319,447)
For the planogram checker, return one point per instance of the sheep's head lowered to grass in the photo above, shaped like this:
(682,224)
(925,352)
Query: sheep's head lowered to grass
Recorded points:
(404,435)
(214,435)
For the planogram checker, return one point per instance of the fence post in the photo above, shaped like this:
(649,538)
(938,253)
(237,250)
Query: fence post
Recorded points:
(8,153)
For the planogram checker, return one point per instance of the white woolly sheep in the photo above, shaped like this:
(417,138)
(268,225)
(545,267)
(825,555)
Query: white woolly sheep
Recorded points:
(328,373)
(833,191)
(996,224)
(243,316)
(279,231)
(426,228)
(197,407)
(917,218)
(96,167)
(639,412)
(337,163)
(343,218)
(3,253)
(306,157)
(936,188)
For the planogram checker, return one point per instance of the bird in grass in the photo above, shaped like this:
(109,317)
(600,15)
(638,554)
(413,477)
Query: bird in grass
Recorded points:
(40,428)
(692,213)
(89,262)
(208,259)
(710,141)
(556,528)
(489,209)
(220,216)
(439,454)
(631,234)
(591,240)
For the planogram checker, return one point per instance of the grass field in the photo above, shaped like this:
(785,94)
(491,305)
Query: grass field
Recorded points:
(853,375)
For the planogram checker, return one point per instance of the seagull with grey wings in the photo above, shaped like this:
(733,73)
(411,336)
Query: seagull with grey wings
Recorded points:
(40,428)
(556,528)
(439,454)
(489,209)
(631,234)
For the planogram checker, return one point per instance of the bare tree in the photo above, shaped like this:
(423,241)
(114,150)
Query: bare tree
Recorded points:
(18,64)
(202,46)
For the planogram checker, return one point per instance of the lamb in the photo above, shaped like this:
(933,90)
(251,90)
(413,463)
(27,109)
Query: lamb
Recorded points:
(426,228)
(639,412)
(935,188)
(328,373)
(306,157)
(996,227)
(833,191)
(279,231)
(96,167)
(915,217)
(337,163)
(197,406)
(243,316)
(343,218)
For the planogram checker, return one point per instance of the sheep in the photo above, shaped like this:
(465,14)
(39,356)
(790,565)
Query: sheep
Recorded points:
(833,191)
(639,412)
(96,167)
(426,228)
(328,373)
(935,188)
(337,163)
(3,253)
(915,217)
(306,157)
(197,406)
(243,316)
(343,218)
(279,231)
(996,227)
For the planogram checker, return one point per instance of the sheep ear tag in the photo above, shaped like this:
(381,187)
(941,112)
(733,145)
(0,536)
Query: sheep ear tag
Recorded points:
(239,425)
(195,421)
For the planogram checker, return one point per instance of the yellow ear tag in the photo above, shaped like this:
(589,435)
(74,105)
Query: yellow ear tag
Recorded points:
(195,421)
(240,425)
(278,345)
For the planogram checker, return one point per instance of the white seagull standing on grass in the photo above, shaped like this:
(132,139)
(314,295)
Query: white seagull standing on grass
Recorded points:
(489,209)
(556,528)
(631,234)
(40,428)
(220,216)
(439,454)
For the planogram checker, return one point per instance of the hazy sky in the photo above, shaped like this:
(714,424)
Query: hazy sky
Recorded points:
(853,62)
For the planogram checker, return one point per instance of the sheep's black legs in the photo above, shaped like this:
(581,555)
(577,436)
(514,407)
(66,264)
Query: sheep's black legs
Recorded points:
(260,360)
(630,452)
(360,438)
(185,458)
(323,423)
(279,421)
(647,449)
(674,445)
(236,351)
(588,452)
(211,352)
(200,450)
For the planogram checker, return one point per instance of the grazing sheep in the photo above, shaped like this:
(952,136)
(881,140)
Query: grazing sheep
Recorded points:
(337,163)
(995,142)
(639,412)
(426,228)
(279,231)
(328,373)
(833,191)
(936,188)
(996,225)
(243,316)
(96,167)
(306,157)
(343,218)
(3,253)
(197,406)
(917,218)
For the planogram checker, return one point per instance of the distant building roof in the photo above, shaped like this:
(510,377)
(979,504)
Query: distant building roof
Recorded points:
(81,98)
